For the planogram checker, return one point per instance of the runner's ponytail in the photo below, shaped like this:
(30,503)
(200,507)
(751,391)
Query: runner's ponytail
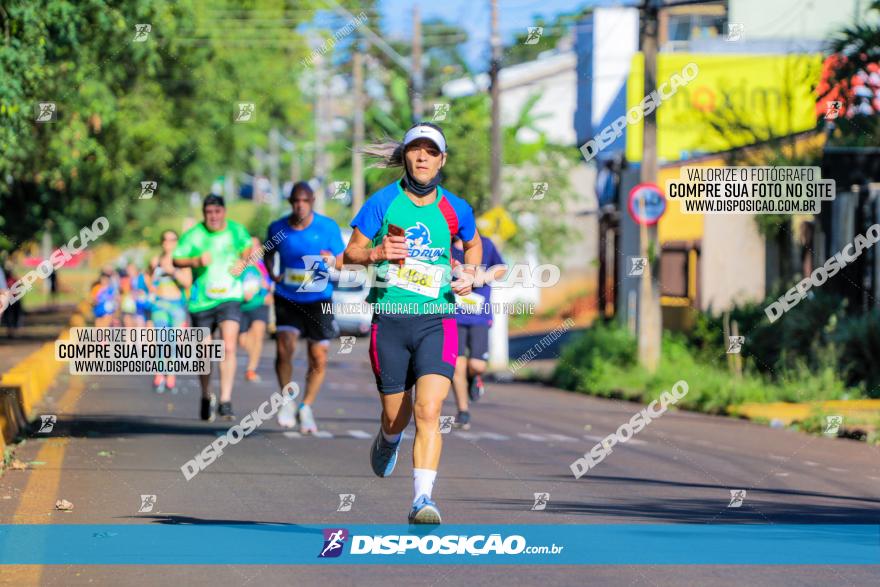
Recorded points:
(389,153)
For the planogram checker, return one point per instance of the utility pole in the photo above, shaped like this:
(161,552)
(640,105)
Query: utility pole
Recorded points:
(418,79)
(295,166)
(495,177)
(650,320)
(274,162)
(406,65)
(357,156)
(322,106)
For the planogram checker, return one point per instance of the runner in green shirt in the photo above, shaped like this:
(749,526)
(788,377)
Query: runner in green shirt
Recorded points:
(213,249)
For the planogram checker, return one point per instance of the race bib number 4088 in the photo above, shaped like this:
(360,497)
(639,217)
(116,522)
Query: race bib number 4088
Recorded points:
(418,277)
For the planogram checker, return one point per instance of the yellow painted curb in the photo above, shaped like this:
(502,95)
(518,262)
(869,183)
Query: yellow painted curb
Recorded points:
(34,375)
(790,412)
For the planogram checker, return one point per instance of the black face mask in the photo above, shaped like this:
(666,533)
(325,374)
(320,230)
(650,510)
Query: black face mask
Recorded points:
(408,182)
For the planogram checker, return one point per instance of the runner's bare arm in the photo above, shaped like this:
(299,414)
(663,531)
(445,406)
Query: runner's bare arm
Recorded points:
(193,262)
(269,262)
(246,254)
(243,261)
(333,262)
(473,254)
(359,252)
(183,277)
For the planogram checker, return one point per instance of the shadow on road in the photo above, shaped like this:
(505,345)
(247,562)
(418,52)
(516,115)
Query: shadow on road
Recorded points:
(173,519)
(762,505)
(108,427)
(703,511)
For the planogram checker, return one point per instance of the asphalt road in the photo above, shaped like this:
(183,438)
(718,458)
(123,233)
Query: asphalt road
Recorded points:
(519,345)
(116,440)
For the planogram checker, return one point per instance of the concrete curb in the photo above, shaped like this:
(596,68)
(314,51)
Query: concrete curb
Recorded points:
(23,386)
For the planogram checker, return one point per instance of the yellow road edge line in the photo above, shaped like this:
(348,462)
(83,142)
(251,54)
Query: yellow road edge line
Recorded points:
(41,490)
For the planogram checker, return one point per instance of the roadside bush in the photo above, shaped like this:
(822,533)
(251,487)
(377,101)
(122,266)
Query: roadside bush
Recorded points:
(588,359)
(859,340)
(800,338)
(602,362)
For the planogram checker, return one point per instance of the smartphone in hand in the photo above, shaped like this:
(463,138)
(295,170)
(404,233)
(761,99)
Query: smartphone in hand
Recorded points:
(394,230)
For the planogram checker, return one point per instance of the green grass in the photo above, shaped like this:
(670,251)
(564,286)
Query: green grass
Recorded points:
(602,362)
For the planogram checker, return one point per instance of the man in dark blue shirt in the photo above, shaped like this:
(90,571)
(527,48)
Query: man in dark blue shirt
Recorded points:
(474,317)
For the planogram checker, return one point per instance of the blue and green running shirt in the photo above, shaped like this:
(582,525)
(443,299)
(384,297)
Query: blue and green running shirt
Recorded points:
(422,285)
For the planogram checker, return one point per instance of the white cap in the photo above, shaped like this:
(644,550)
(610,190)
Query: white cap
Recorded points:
(424,131)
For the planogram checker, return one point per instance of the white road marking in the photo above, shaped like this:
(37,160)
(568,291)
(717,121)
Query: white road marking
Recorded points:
(811,464)
(493,436)
(532,437)
(838,470)
(359,434)
(480,435)
(318,434)
(561,438)
(632,441)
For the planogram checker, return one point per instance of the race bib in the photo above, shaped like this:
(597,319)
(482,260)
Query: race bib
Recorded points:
(220,287)
(417,276)
(295,277)
(471,303)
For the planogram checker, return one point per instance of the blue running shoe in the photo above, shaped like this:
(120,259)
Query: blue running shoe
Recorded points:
(424,511)
(383,455)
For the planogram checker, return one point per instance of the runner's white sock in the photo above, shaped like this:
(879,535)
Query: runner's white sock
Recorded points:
(423,482)
(392,438)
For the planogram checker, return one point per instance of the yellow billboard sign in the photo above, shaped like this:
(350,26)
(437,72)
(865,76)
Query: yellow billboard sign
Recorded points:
(734,100)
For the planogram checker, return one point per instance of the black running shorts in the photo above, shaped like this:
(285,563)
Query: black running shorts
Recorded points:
(309,320)
(248,317)
(473,341)
(403,347)
(213,317)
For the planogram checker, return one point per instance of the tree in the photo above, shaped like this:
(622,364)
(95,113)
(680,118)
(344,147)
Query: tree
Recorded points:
(553,32)
(850,77)
(159,109)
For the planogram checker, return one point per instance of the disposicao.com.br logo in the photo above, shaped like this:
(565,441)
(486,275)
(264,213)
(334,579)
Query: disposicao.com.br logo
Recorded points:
(430,544)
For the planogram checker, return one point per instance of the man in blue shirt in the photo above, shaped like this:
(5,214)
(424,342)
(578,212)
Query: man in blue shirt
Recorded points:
(309,244)
(474,317)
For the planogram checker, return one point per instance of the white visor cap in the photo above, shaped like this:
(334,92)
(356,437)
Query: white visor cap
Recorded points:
(425,132)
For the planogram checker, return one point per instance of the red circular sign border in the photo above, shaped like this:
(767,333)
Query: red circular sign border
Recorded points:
(629,203)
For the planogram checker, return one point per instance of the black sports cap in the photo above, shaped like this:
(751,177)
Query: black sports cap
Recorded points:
(300,185)
(213,200)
